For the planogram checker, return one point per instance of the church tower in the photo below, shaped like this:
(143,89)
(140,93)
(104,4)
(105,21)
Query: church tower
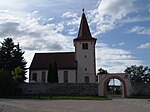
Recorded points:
(85,53)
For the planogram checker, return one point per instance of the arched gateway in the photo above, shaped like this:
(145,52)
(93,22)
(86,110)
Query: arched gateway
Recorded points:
(122,77)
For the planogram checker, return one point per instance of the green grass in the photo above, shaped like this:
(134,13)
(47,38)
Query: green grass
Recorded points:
(78,98)
(60,97)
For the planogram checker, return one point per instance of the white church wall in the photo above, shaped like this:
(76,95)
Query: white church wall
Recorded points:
(71,76)
(39,76)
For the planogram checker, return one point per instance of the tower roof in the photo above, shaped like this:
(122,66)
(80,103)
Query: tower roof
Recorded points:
(84,31)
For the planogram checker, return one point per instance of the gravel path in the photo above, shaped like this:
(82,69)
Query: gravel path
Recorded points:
(116,105)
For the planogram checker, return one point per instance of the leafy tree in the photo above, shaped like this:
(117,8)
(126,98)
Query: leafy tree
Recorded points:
(139,73)
(102,71)
(52,73)
(17,73)
(11,57)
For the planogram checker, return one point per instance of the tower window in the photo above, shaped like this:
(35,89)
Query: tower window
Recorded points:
(84,46)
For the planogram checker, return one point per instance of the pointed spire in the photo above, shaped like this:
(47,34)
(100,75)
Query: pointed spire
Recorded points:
(84,31)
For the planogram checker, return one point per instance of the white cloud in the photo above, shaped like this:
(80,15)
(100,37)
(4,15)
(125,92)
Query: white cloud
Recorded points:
(70,15)
(122,43)
(140,30)
(115,60)
(27,30)
(109,12)
(13,4)
(119,44)
(50,19)
(135,19)
(72,18)
(72,31)
(145,45)
(71,22)
(115,9)
(101,44)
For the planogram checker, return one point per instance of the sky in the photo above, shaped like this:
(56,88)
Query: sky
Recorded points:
(122,28)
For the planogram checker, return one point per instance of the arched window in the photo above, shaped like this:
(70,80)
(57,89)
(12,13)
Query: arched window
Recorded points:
(86,79)
(43,76)
(65,76)
(34,76)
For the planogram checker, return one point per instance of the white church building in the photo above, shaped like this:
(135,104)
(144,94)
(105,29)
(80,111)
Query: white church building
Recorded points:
(73,67)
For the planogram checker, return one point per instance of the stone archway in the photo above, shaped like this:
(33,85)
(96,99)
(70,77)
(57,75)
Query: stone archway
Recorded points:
(122,77)
(124,93)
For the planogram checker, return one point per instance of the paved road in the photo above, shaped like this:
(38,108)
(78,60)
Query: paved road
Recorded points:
(116,105)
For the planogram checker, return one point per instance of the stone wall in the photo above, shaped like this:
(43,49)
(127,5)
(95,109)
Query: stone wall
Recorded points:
(140,89)
(88,89)
(82,89)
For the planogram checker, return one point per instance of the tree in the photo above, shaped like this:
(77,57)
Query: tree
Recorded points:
(102,71)
(52,73)
(7,85)
(6,54)
(55,73)
(20,62)
(11,57)
(139,73)
(17,74)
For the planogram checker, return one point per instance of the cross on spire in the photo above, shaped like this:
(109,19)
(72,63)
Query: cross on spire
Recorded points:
(83,10)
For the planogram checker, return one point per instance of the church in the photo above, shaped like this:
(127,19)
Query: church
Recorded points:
(73,67)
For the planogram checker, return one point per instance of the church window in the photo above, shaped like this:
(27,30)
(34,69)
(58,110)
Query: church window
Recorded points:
(43,76)
(65,76)
(84,46)
(85,69)
(86,79)
(34,76)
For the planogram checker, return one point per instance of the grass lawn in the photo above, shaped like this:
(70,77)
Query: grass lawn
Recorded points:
(60,97)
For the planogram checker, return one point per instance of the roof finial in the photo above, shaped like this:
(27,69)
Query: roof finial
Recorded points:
(83,10)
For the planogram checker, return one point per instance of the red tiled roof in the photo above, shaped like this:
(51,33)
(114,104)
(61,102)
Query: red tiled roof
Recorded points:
(84,31)
(64,60)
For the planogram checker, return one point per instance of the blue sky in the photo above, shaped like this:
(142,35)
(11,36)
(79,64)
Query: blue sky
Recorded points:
(122,28)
